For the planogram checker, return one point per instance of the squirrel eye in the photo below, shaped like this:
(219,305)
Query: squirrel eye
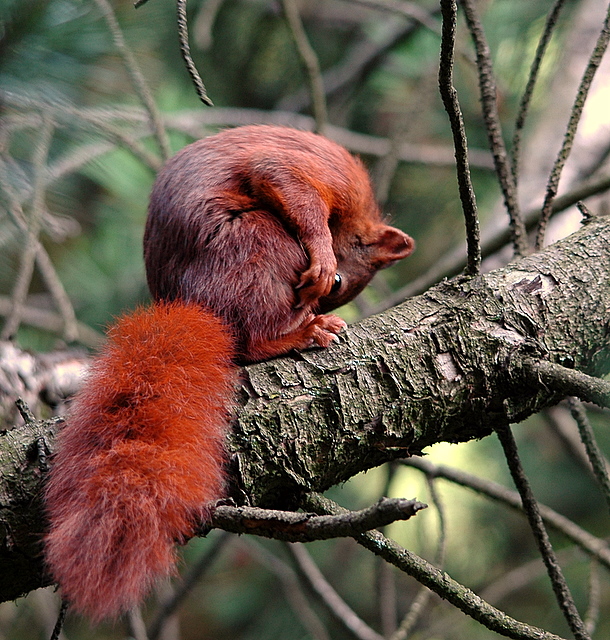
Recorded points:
(336,284)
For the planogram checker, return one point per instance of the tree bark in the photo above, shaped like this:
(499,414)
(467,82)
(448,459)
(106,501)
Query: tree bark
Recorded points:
(448,365)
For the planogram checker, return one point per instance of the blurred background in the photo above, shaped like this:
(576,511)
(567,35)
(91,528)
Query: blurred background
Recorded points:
(77,160)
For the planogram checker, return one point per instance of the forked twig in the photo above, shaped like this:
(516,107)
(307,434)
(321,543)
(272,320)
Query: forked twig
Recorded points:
(331,599)
(422,598)
(32,230)
(435,579)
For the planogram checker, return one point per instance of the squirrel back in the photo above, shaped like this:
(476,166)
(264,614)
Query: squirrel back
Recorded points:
(252,235)
(256,223)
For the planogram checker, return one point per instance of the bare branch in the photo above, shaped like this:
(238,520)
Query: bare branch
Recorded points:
(595,547)
(487,86)
(436,580)
(200,567)
(598,464)
(310,63)
(68,322)
(409,10)
(452,106)
(577,109)
(137,78)
(570,382)
(28,257)
(530,506)
(61,616)
(422,598)
(305,527)
(455,261)
(185,50)
(331,599)
(594,608)
(292,589)
(545,38)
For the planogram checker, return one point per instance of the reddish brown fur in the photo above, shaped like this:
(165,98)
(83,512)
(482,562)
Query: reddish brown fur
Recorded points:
(141,456)
(254,222)
(251,224)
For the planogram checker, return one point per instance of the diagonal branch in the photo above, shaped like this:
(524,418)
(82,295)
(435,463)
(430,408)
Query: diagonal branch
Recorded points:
(436,580)
(489,101)
(530,506)
(577,109)
(310,63)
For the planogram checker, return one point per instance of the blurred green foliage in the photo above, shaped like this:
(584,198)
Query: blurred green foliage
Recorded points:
(61,52)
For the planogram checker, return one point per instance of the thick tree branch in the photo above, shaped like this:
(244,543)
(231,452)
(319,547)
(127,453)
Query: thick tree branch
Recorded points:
(445,366)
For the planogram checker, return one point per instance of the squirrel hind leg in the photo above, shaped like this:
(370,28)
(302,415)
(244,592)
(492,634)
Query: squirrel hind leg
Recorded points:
(313,330)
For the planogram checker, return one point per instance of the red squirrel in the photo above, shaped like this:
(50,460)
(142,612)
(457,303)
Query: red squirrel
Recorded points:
(252,235)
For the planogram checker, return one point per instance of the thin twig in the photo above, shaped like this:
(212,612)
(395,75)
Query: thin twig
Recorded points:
(169,606)
(305,527)
(204,23)
(422,598)
(489,101)
(452,106)
(593,610)
(575,114)
(594,454)
(139,83)
(545,38)
(385,576)
(502,587)
(436,580)
(127,140)
(53,322)
(595,547)
(63,111)
(136,624)
(530,506)
(194,122)
(331,599)
(28,257)
(185,50)
(562,426)
(585,212)
(410,10)
(309,59)
(61,616)
(454,262)
(45,266)
(291,587)
(360,61)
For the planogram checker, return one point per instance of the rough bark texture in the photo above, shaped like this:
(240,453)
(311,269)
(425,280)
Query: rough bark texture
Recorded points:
(445,366)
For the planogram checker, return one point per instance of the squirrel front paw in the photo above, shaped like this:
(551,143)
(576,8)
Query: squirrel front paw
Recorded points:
(317,281)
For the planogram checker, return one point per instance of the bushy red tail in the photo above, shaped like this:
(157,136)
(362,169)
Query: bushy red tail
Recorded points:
(140,457)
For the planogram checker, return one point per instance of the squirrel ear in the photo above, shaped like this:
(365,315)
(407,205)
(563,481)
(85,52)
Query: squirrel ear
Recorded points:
(392,245)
